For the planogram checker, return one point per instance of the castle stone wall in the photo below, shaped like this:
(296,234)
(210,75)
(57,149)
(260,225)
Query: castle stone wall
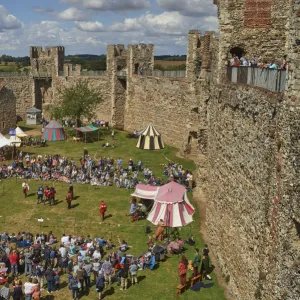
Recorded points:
(245,185)
(7,108)
(23,90)
(164,102)
(101,83)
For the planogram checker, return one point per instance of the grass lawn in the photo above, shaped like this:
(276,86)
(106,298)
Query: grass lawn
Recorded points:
(19,214)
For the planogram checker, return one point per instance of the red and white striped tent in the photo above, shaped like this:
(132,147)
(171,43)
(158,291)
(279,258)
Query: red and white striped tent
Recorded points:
(171,204)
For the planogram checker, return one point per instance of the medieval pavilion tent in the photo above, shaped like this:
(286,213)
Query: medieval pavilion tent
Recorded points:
(54,132)
(171,204)
(150,139)
(20,133)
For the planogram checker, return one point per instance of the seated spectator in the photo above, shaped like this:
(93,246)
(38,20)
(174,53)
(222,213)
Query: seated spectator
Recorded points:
(173,248)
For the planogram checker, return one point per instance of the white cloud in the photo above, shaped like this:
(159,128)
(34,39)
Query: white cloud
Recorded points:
(47,11)
(113,5)
(8,21)
(189,7)
(90,26)
(129,24)
(73,14)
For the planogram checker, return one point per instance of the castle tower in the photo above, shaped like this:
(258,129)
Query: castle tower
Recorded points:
(116,72)
(252,29)
(50,60)
(140,59)
(193,62)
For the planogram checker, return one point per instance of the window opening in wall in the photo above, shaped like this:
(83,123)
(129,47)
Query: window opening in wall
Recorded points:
(237,51)
(3,125)
(136,68)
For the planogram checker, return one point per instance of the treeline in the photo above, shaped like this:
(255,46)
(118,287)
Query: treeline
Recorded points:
(87,61)
(171,57)
(21,61)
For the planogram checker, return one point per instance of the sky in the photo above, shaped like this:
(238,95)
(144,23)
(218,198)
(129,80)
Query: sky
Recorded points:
(88,26)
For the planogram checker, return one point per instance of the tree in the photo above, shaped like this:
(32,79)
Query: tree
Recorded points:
(77,103)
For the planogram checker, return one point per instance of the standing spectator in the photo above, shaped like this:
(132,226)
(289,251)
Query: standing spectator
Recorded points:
(28,262)
(56,281)
(112,134)
(5,292)
(25,187)
(71,189)
(14,260)
(107,271)
(17,292)
(133,272)
(36,291)
(49,275)
(96,268)
(28,289)
(196,262)
(74,286)
(124,277)
(69,199)
(182,268)
(100,285)
(205,262)
(103,208)
(87,274)
(40,194)
(40,275)
(80,277)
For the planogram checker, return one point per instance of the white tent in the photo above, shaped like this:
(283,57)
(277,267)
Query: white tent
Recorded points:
(20,133)
(4,142)
(14,140)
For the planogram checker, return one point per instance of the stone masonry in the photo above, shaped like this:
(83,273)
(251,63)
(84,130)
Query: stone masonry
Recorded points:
(7,108)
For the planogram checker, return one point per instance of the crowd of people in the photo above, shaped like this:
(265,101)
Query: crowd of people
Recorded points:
(101,171)
(237,61)
(43,259)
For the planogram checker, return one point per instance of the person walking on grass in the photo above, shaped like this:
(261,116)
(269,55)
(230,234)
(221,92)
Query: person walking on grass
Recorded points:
(69,198)
(103,208)
(25,187)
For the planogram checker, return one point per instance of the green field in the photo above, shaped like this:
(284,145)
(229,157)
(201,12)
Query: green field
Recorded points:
(19,214)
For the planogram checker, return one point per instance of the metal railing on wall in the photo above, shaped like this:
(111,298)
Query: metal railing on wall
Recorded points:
(168,73)
(272,80)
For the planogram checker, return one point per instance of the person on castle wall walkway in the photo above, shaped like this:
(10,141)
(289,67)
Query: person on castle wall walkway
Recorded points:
(103,208)
(196,262)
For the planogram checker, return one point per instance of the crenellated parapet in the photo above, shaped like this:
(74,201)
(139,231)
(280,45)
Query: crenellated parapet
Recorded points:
(49,60)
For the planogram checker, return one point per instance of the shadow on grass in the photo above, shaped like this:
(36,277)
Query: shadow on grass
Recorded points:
(108,292)
(141,278)
(74,205)
(76,197)
(107,217)
(57,202)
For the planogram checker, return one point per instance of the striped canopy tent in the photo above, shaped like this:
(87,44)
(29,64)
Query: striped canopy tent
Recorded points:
(150,139)
(54,132)
(87,129)
(172,205)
